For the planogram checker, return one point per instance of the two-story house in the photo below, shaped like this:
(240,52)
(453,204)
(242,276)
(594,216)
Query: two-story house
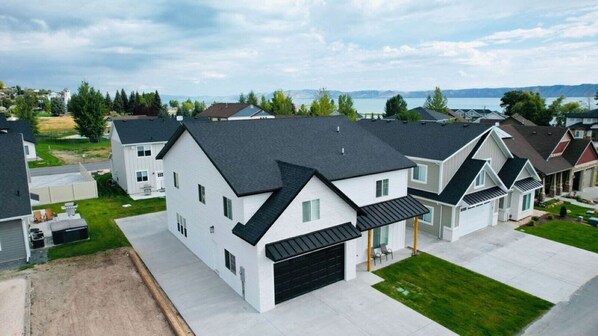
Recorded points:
(465,174)
(23,127)
(281,207)
(234,111)
(583,125)
(15,203)
(135,144)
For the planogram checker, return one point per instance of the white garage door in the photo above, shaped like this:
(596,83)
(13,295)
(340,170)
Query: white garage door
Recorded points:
(475,218)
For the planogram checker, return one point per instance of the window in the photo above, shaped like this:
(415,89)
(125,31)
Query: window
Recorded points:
(527,201)
(201,190)
(420,173)
(176,179)
(230,261)
(141,176)
(228,207)
(382,188)
(145,150)
(311,210)
(480,179)
(181,223)
(427,218)
(579,134)
(380,236)
(26,150)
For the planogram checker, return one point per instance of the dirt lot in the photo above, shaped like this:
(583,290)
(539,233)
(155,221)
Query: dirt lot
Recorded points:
(95,155)
(55,124)
(100,294)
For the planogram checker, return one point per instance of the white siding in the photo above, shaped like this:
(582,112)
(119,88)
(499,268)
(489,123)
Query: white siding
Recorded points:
(119,172)
(31,148)
(362,190)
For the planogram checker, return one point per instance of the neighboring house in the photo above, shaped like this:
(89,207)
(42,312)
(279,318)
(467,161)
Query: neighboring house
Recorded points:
(431,115)
(465,174)
(472,115)
(517,119)
(135,144)
(491,117)
(14,200)
(23,127)
(583,125)
(565,164)
(234,111)
(281,207)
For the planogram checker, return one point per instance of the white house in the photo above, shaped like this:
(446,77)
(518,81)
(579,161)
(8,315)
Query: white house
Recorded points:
(23,127)
(583,125)
(15,203)
(135,144)
(281,207)
(465,174)
(234,111)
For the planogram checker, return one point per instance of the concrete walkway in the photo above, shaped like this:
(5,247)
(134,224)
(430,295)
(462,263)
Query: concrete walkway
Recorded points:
(542,267)
(210,307)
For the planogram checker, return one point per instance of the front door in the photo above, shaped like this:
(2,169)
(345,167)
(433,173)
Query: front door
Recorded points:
(160,180)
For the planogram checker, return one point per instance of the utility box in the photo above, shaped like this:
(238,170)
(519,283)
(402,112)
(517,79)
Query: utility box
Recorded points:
(67,231)
(593,221)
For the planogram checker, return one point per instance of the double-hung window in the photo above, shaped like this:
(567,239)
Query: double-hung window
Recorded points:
(181,224)
(527,202)
(230,261)
(382,188)
(420,173)
(228,207)
(201,190)
(311,210)
(141,176)
(143,151)
(427,218)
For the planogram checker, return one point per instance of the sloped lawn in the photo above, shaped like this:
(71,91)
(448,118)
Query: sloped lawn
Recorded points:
(570,233)
(461,300)
(100,213)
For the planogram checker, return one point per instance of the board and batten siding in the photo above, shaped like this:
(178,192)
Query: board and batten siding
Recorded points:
(488,183)
(452,165)
(119,170)
(12,241)
(133,163)
(491,150)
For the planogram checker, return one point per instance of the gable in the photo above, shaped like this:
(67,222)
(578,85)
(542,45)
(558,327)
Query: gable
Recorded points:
(562,145)
(493,148)
(589,155)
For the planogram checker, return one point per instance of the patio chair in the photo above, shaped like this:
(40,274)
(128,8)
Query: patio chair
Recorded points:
(37,216)
(376,253)
(386,251)
(49,214)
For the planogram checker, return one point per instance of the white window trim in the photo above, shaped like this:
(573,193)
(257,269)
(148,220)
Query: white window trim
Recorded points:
(227,205)
(475,182)
(232,261)
(201,191)
(146,174)
(425,180)
(431,213)
(311,210)
(145,149)
(382,194)
(523,202)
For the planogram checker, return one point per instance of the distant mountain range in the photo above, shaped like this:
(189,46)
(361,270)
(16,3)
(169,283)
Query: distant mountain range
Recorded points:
(581,90)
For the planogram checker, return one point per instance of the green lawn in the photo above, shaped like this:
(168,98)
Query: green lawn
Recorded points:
(570,233)
(46,144)
(576,210)
(465,302)
(100,214)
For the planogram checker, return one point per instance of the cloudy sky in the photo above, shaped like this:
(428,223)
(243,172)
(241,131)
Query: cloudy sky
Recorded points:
(225,47)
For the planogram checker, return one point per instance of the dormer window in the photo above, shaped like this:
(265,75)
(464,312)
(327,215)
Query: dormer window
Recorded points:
(480,180)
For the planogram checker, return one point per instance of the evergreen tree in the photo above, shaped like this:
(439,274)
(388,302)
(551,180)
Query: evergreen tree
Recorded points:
(58,107)
(242,99)
(265,104)
(395,106)
(345,107)
(322,105)
(596,97)
(125,100)
(303,110)
(437,102)
(198,107)
(131,104)
(281,104)
(108,102)
(117,104)
(88,109)
(25,104)
(157,102)
(252,99)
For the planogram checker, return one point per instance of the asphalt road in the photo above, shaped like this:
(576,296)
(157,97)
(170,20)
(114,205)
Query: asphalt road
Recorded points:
(69,168)
(578,316)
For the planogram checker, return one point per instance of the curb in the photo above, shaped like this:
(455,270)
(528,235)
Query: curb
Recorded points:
(174,319)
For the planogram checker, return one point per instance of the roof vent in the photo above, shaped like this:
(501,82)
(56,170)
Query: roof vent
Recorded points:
(549,133)
(465,125)
(18,192)
(404,121)
(338,129)
(423,122)
(533,132)
(443,124)
(179,118)
(388,121)
(342,150)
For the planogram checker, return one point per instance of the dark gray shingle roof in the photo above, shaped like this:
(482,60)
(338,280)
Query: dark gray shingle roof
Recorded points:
(17,126)
(510,170)
(590,114)
(426,114)
(146,130)
(14,190)
(429,140)
(245,152)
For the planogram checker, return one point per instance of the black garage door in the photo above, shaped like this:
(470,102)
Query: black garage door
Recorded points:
(303,274)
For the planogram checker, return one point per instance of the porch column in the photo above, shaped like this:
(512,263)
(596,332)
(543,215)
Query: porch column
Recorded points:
(552,191)
(542,193)
(559,185)
(568,183)
(369,250)
(415,227)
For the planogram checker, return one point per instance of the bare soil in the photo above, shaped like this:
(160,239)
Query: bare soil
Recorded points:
(94,155)
(99,294)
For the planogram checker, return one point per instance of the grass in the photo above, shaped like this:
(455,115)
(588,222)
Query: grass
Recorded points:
(100,213)
(55,124)
(570,233)
(47,144)
(464,301)
(576,210)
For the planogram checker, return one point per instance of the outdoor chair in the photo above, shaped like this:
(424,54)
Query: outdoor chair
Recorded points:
(49,214)
(376,253)
(37,216)
(386,251)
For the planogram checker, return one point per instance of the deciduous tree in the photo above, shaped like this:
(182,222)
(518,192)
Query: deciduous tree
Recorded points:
(395,106)
(436,102)
(198,107)
(265,104)
(322,105)
(88,109)
(528,104)
(25,104)
(281,104)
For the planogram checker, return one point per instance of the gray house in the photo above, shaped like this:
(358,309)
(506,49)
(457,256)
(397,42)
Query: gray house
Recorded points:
(15,204)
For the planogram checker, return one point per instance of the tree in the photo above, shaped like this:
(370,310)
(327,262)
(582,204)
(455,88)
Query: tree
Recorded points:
(437,102)
(118,104)
(198,107)
(46,105)
(303,110)
(560,110)
(252,99)
(529,105)
(57,106)
(322,105)
(157,101)
(88,109)
(345,107)
(395,106)
(242,99)
(265,104)
(2,85)
(108,102)
(596,97)
(125,100)
(174,103)
(281,104)
(408,115)
(186,108)
(24,108)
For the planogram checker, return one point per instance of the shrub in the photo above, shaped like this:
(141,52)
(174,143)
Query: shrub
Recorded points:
(550,217)
(563,211)
(531,223)
(535,218)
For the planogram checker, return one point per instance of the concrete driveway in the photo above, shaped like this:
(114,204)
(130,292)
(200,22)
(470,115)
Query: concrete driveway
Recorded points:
(542,267)
(210,307)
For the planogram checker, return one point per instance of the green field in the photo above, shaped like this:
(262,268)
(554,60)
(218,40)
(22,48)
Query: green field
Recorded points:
(461,300)
(570,233)
(46,145)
